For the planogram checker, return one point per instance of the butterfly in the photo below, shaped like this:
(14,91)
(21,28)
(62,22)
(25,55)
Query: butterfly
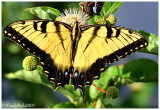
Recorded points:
(80,53)
(88,7)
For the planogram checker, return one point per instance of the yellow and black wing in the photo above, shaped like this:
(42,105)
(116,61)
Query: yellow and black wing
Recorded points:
(77,52)
(99,45)
(48,40)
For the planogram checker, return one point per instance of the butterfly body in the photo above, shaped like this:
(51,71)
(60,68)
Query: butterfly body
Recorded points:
(79,53)
(76,36)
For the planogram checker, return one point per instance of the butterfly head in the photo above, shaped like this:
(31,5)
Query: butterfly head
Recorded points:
(76,22)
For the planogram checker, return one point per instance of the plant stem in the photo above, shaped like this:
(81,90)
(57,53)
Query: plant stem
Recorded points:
(84,98)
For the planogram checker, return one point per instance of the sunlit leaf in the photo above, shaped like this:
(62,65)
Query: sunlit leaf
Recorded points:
(93,19)
(110,8)
(43,12)
(152,48)
(99,103)
(71,97)
(31,76)
(141,70)
(103,81)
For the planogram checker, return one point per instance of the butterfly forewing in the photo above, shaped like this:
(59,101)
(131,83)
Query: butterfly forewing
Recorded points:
(101,44)
(49,40)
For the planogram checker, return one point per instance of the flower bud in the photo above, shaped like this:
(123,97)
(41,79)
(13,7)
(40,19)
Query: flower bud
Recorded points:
(112,92)
(100,21)
(110,19)
(29,63)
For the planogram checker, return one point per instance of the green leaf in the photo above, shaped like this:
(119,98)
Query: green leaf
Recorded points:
(90,105)
(103,82)
(75,100)
(70,88)
(141,70)
(31,76)
(38,77)
(93,19)
(64,105)
(43,12)
(152,48)
(110,8)
(119,80)
(44,78)
(75,97)
(99,103)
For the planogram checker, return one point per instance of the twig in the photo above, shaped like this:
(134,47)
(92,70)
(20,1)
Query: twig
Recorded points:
(84,98)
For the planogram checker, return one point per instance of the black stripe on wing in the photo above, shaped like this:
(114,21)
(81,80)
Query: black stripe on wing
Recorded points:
(47,63)
(99,66)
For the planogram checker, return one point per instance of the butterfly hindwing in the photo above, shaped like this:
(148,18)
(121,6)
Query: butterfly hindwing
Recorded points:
(48,40)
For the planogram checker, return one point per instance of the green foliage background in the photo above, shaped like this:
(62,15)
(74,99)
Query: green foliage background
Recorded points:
(33,87)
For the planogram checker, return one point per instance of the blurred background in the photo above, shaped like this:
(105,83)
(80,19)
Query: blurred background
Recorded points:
(134,15)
